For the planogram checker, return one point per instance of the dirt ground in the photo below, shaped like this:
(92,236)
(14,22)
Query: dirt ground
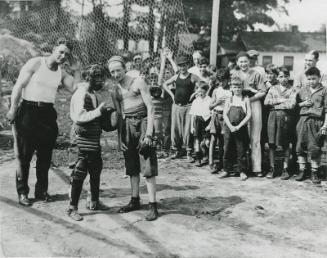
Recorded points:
(200,216)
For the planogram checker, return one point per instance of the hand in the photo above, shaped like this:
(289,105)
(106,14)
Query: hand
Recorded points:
(233,129)
(122,146)
(323,130)
(237,128)
(11,115)
(168,53)
(102,107)
(147,140)
(307,103)
(76,65)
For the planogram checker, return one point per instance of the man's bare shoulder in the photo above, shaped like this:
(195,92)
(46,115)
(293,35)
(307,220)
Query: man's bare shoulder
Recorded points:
(140,83)
(33,64)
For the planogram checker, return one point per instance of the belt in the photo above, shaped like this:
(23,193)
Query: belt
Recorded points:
(137,116)
(182,105)
(37,103)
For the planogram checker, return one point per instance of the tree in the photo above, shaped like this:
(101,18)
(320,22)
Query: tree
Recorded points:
(235,15)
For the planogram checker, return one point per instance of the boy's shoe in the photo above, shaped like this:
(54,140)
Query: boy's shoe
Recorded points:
(43,197)
(213,169)
(153,212)
(72,213)
(205,160)
(259,174)
(285,174)
(96,206)
(301,175)
(198,163)
(271,173)
(314,177)
(23,200)
(189,156)
(243,176)
(133,205)
(223,174)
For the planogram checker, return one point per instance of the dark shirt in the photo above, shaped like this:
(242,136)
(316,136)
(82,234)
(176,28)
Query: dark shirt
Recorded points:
(319,99)
(184,89)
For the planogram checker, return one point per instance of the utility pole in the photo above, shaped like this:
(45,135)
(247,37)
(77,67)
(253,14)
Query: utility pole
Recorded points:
(214,31)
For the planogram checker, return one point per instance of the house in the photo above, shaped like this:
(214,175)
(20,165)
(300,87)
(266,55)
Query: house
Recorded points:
(286,48)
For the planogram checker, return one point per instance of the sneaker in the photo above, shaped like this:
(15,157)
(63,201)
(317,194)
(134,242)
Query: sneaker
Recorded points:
(43,197)
(153,212)
(96,206)
(72,213)
(300,176)
(271,173)
(213,169)
(259,174)
(243,176)
(314,178)
(189,157)
(176,155)
(133,205)
(285,174)
(223,174)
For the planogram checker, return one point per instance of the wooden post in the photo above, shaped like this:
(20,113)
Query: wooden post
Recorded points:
(214,31)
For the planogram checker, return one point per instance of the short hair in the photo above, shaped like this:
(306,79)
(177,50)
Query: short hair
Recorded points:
(315,54)
(223,74)
(236,81)
(283,70)
(312,71)
(271,68)
(92,71)
(116,59)
(203,61)
(203,85)
(63,41)
(242,54)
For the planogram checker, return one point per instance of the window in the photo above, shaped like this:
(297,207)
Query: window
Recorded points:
(266,60)
(289,62)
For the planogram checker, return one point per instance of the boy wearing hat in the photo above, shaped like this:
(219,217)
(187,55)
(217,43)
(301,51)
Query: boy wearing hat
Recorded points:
(181,121)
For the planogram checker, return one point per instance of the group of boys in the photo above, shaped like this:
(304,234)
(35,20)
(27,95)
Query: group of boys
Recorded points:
(281,115)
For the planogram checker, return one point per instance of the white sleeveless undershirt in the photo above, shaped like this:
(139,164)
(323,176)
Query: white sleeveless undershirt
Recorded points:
(43,84)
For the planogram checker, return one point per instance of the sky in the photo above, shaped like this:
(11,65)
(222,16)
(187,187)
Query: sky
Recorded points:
(309,15)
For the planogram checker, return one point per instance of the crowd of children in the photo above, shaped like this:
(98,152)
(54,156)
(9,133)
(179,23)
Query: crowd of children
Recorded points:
(239,113)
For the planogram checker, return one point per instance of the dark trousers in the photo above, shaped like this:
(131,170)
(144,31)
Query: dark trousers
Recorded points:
(87,162)
(235,143)
(35,130)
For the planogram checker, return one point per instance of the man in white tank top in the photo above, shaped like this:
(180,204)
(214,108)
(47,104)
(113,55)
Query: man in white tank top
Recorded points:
(34,118)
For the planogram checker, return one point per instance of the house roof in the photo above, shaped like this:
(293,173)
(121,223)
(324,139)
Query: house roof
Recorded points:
(284,41)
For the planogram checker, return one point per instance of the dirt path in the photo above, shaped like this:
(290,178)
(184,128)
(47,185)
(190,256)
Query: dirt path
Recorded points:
(201,216)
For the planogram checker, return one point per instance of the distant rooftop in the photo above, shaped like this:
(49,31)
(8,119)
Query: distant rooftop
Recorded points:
(284,41)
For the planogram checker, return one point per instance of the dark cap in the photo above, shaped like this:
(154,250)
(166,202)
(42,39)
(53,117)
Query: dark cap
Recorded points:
(182,60)
(253,53)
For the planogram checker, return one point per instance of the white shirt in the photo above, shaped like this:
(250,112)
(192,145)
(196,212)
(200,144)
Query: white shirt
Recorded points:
(219,93)
(200,107)
(77,111)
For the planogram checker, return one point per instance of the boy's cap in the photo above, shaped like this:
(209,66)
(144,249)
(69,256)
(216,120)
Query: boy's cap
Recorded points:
(116,59)
(182,60)
(236,81)
(253,53)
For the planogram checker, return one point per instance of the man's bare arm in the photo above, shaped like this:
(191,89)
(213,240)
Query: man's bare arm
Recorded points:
(24,77)
(146,96)
(70,82)
(169,82)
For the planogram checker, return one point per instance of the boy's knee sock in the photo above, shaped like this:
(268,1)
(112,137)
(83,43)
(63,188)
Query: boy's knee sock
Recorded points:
(302,162)
(76,189)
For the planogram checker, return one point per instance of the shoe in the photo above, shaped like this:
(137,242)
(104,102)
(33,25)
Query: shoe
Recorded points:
(153,212)
(301,175)
(271,173)
(199,163)
(223,174)
(205,160)
(259,174)
(133,205)
(285,174)
(314,178)
(243,176)
(96,206)
(189,157)
(213,169)
(72,213)
(23,200)
(43,197)
(176,155)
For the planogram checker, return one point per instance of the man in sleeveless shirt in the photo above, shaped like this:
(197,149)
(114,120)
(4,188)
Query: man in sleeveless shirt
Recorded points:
(181,120)
(132,100)
(34,117)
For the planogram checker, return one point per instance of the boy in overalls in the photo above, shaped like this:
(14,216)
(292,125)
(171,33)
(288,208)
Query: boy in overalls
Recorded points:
(237,112)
